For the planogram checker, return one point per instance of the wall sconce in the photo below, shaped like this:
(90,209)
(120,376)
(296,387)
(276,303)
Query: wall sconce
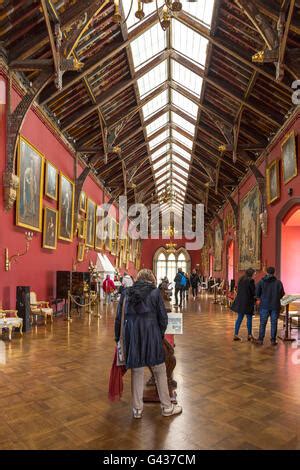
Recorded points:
(9,260)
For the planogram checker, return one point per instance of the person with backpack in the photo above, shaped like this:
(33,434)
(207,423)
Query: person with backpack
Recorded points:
(180,282)
(269,291)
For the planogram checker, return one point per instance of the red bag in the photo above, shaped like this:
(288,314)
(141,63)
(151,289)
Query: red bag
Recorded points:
(115,388)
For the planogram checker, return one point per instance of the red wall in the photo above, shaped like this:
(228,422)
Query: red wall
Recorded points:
(38,268)
(269,251)
(149,247)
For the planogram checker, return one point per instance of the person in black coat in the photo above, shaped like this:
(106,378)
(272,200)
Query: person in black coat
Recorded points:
(195,281)
(269,291)
(244,303)
(145,323)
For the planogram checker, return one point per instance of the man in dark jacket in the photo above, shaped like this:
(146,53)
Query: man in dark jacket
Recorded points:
(179,286)
(195,281)
(269,291)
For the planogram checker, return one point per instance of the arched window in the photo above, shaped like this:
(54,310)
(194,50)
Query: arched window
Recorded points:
(167,264)
(161,267)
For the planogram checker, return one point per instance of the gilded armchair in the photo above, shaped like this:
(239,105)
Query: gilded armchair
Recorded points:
(39,308)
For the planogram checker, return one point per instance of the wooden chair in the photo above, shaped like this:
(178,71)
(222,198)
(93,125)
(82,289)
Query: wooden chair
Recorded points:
(39,308)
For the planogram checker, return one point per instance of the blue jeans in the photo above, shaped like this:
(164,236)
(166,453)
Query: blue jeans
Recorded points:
(239,322)
(264,315)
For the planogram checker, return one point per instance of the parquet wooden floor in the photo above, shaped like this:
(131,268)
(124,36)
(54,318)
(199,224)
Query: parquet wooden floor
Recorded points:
(53,391)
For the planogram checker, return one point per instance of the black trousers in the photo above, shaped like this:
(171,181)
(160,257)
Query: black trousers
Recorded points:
(194,291)
(180,290)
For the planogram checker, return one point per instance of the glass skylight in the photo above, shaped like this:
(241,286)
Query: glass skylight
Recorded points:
(183,123)
(170,163)
(154,105)
(150,43)
(202,10)
(184,103)
(189,43)
(159,122)
(152,79)
(186,78)
(184,140)
(160,138)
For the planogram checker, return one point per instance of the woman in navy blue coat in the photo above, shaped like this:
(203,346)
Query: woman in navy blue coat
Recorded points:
(145,323)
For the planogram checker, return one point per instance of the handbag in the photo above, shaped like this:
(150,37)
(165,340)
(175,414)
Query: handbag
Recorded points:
(121,359)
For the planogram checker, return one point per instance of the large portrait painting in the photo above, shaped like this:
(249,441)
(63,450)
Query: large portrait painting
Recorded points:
(29,195)
(99,234)
(289,157)
(90,223)
(82,202)
(66,209)
(50,228)
(51,177)
(273,183)
(218,248)
(250,231)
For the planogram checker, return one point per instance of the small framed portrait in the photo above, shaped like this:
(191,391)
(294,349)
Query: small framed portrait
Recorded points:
(273,182)
(80,251)
(50,228)
(66,209)
(289,157)
(51,181)
(82,228)
(90,223)
(29,207)
(82,202)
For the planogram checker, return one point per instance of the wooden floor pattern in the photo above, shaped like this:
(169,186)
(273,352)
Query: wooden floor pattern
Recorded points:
(53,392)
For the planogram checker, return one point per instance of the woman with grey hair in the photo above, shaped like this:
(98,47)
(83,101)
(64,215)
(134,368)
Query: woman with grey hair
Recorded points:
(145,323)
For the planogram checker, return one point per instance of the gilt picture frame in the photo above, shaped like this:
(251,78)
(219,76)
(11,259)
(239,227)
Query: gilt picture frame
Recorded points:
(250,231)
(273,182)
(50,228)
(51,180)
(90,223)
(66,208)
(30,170)
(289,157)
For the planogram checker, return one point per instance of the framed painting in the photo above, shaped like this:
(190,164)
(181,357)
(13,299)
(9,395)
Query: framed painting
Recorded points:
(107,228)
(66,208)
(82,228)
(289,157)
(99,235)
(82,202)
(273,183)
(50,228)
(113,236)
(218,248)
(90,223)
(29,209)
(250,231)
(80,251)
(51,181)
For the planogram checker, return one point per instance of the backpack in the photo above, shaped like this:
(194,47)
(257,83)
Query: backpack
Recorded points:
(182,281)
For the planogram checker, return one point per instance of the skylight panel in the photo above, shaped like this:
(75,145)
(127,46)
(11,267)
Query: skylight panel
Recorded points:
(189,43)
(154,105)
(202,10)
(150,43)
(163,178)
(152,79)
(180,162)
(186,125)
(179,178)
(157,165)
(162,171)
(159,152)
(182,152)
(184,103)
(159,122)
(159,139)
(186,78)
(184,140)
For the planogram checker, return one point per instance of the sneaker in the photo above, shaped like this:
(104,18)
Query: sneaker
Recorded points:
(137,414)
(237,338)
(173,410)
(274,342)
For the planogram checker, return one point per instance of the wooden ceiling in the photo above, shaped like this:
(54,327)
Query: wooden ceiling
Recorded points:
(98,108)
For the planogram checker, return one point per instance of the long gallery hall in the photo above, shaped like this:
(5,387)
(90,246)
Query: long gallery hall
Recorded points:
(150,227)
